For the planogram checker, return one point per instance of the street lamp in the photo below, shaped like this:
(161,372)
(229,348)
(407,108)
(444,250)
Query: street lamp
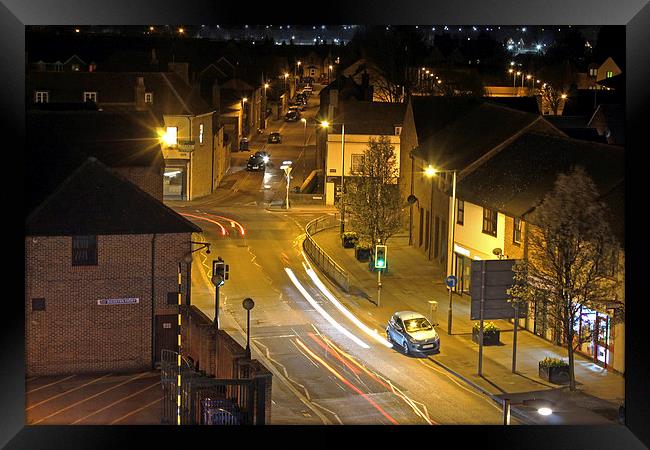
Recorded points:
(513,76)
(431,171)
(304,144)
(248,304)
(326,124)
(286,166)
(328,74)
(544,407)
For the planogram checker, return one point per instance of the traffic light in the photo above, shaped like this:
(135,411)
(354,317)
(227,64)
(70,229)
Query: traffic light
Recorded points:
(380,257)
(219,270)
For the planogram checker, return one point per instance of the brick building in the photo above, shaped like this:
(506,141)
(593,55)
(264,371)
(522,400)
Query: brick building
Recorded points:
(101,275)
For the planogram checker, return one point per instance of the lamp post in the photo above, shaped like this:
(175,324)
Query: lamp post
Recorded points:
(188,263)
(430,172)
(263,112)
(326,124)
(286,83)
(544,407)
(514,77)
(329,74)
(287,170)
(248,304)
(244,116)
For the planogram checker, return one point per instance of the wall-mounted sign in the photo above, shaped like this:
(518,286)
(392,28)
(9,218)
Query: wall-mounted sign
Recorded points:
(118,301)
(185,146)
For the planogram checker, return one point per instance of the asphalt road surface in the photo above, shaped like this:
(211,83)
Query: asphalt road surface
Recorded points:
(329,367)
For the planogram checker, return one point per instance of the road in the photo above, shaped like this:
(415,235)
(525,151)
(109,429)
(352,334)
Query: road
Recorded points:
(329,367)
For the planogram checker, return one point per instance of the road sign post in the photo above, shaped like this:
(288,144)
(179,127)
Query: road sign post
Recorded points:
(451,283)
(219,277)
(433,312)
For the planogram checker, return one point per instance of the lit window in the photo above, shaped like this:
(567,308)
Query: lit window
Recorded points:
(90,97)
(460,215)
(201,133)
(490,221)
(516,233)
(171,136)
(610,74)
(41,97)
(75,67)
(148,97)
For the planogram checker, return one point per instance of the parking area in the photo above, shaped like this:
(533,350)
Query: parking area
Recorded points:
(94,399)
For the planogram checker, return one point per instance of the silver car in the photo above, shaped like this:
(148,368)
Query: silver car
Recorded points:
(413,332)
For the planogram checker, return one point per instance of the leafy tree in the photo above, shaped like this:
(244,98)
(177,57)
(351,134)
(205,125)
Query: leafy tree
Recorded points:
(571,259)
(551,97)
(372,198)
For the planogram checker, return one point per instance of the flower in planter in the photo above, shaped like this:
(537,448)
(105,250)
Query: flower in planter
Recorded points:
(488,328)
(350,235)
(553,362)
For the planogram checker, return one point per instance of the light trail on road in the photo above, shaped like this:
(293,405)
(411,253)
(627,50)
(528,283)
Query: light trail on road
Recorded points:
(223,229)
(242,231)
(347,383)
(321,311)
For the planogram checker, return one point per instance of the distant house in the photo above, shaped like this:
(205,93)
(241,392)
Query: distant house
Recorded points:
(383,90)
(363,121)
(102,262)
(597,73)
(192,137)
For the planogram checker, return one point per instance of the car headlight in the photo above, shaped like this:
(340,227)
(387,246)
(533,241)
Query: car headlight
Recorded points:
(265,159)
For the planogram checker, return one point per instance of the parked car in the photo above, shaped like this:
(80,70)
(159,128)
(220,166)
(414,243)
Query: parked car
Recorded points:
(255,162)
(274,138)
(292,116)
(266,156)
(413,332)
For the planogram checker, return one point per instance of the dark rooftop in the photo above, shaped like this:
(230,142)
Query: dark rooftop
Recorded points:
(95,201)
(376,118)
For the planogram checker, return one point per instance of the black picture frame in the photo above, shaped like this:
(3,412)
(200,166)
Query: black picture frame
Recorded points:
(633,14)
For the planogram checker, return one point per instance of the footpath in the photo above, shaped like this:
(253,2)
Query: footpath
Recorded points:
(412,281)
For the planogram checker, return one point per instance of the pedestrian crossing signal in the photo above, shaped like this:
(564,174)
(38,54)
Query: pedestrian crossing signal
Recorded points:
(380,257)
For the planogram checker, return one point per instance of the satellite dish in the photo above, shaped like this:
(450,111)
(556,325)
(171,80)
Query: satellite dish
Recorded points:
(411,199)
(497,251)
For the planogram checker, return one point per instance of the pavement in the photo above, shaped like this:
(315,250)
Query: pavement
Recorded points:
(412,281)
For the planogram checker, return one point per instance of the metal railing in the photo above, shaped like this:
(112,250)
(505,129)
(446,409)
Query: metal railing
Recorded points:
(319,257)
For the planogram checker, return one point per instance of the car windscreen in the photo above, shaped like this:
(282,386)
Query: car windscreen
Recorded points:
(418,324)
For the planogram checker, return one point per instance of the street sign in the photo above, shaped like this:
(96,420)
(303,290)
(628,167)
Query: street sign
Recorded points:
(118,301)
(451,281)
(498,279)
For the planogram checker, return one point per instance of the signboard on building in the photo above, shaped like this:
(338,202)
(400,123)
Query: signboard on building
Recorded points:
(498,279)
(118,301)
(185,146)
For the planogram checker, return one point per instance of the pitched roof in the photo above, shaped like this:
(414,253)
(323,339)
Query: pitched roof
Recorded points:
(172,95)
(95,201)
(57,142)
(432,113)
(472,134)
(376,118)
(516,179)
(525,104)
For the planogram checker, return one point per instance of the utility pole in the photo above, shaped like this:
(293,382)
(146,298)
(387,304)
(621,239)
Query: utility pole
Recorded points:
(480,337)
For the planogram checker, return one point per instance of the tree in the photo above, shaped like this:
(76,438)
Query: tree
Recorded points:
(372,198)
(571,254)
(552,98)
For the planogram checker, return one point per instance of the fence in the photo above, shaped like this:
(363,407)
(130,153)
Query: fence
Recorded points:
(219,384)
(319,257)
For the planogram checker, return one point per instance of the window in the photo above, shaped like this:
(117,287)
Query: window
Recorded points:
(90,97)
(398,131)
(41,97)
(357,163)
(593,72)
(148,97)
(610,74)
(201,133)
(84,250)
(38,304)
(171,137)
(490,221)
(516,231)
(75,67)
(172,298)
(460,214)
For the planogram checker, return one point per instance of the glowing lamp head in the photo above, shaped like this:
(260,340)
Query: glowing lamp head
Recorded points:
(518,73)
(181,30)
(325,124)
(266,85)
(528,77)
(545,411)
(265,159)
(563,96)
(244,100)
(510,70)
(430,171)
(286,75)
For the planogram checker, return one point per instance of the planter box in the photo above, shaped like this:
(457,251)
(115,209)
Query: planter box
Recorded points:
(488,338)
(362,254)
(349,242)
(555,375)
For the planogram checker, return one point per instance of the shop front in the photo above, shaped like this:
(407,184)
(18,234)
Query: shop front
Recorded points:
(175,180)
(594,329)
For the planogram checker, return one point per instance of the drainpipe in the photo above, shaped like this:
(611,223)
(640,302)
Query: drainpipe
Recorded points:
(153,303)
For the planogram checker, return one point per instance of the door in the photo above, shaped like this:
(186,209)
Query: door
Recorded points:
(602,340)
(166,333)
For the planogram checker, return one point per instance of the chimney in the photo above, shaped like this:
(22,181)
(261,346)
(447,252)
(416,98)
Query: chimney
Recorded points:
(139,94)
(182,69)
(366,89)
(334,103)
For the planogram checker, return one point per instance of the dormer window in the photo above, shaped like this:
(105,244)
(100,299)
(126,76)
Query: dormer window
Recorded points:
(90,96)
(398,131)
(41,97)
(148,97)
